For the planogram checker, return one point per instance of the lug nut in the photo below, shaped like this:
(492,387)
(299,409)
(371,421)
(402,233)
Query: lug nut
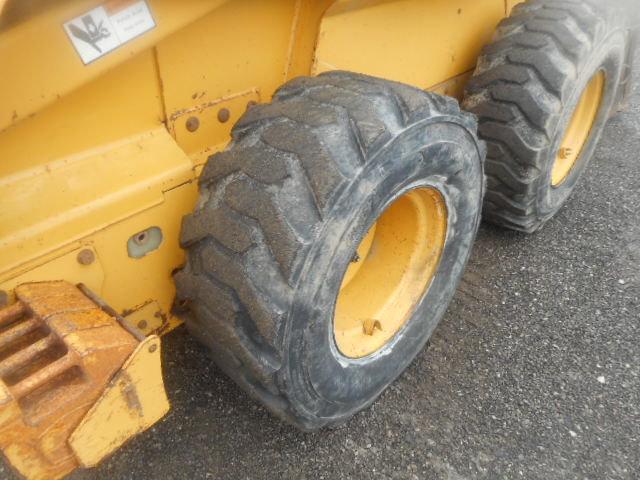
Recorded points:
(566,152)
(369,325)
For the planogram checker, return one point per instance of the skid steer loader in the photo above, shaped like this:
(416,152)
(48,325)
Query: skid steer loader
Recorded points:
(294,179)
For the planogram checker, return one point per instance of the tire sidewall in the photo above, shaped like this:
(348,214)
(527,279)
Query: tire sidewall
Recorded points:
(609,58)
(442,154)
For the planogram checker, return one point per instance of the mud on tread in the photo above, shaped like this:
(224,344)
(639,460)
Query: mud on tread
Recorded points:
(262,202)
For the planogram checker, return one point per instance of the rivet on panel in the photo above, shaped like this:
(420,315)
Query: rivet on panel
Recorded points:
(142,324)
(224,115)
(153,348)
(192,124)
(86,257)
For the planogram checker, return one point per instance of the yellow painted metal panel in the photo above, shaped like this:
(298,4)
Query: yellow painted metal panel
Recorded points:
(250,39)
(129,284)
(209,127)
(97,157)
(132,283)
(79,195)
(304,35)
(38,77)
(147,318)
(65,265)
(419,42)
(124,102)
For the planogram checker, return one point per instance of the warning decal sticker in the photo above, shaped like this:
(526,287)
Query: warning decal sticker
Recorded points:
(108,26)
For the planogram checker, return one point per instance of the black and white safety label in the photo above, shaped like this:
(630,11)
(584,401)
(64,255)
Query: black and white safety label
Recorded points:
(105,28)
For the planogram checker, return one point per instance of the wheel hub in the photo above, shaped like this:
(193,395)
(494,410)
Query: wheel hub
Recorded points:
(390,272)
(579,129)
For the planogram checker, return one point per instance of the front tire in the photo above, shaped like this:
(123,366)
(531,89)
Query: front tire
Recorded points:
(343,182)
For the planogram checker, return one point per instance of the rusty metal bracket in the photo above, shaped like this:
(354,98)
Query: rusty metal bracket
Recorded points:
(133,401)
(66,361)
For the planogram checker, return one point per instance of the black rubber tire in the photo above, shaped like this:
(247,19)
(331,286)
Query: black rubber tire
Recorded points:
(280,215)
(525,89)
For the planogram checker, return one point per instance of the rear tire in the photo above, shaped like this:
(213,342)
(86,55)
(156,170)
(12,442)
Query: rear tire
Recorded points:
(280,215)
(525,91)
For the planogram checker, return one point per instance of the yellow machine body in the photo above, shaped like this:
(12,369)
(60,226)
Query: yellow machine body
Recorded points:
(99,159)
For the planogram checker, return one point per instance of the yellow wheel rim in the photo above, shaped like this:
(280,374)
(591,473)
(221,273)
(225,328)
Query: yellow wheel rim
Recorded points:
(579,129)
(390,272)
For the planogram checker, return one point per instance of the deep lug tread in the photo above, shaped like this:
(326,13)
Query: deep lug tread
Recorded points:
(247,238)
(322,174)
(518,91)
(262,168)
(251,200)
(230,230)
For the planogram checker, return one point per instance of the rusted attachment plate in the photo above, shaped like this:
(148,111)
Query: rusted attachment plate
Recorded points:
(133,401)
(58,352)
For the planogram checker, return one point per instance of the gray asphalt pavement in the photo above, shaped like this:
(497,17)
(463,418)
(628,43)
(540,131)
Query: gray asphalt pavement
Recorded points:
(533,373)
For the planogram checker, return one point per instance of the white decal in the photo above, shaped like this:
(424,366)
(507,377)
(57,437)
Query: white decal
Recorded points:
(108,26)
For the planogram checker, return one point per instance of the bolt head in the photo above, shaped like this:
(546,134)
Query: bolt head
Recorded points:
(566,152)
(86,257)
(192,124)
(223,115)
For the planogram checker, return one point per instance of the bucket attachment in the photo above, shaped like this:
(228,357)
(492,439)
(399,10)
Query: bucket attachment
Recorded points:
(75,381)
